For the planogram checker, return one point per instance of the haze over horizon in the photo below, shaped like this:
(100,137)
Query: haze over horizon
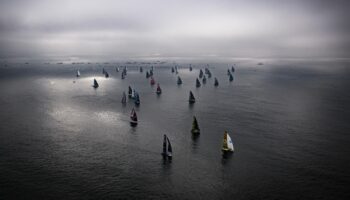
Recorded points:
(289,29)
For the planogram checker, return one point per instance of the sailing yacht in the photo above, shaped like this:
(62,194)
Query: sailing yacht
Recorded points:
(198,84)
(172,70)
(190,68)
(167,149)
(204,80)
(179,81)
(130,91)
(95,84)
(195,128)
(216,82)
(232,69)
(191,98)
(159,90)
(117,69)
(200,73)
(227,145)
(152,81)
(231,78)
(124,98)
(106,74)
(137,99)
(78,73)
(133,118)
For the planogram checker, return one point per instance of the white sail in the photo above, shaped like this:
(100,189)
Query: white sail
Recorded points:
(78,73)
(229,143)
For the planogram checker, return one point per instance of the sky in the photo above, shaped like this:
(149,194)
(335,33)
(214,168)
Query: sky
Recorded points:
(169,28)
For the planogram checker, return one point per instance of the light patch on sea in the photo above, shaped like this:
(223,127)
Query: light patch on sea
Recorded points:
(110,117)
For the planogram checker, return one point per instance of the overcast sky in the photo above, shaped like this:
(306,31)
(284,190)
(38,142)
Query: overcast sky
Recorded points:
(178,28)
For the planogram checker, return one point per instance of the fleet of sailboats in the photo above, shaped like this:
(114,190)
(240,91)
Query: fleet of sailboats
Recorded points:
(227,145)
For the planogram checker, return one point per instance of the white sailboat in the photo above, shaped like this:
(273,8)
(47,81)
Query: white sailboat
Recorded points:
(227,145)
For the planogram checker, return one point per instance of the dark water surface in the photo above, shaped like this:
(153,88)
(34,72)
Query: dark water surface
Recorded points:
(64,140)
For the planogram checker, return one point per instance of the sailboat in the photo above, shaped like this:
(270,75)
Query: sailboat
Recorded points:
(124,98)
(130,92)
(190,67)
(204,80)
(151,72)
(133,118)
(176,72)
(103,71)
(159,90)
(106,74)
(200,73)
(123,75)
(172,70)
(78,73)
(179,81)
(216,82)
(133,93)
(152,81)
(141,70)
(167,149)
(117,69)
(232,69)
(137,99)
(231,78)
(209,75)
(95,84)
(195,128)
(227,145)
(228,72)
(198,84)
(147,74)
(191,98)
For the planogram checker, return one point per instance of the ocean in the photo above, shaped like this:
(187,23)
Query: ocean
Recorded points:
(62,139)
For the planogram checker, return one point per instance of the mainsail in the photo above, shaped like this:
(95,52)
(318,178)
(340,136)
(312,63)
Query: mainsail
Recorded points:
(159,90)
(216,82)
(227,145)
(95,84)
(179,81)
(195,128)
(191,98)
(198,84)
